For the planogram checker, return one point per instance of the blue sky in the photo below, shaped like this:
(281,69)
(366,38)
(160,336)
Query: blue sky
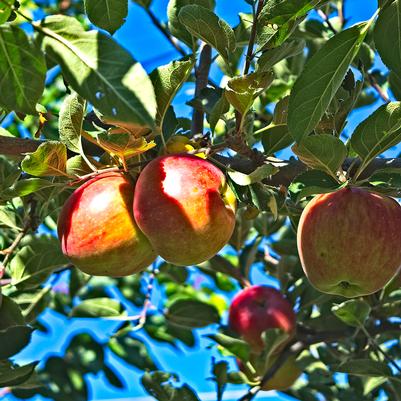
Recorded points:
(193,366)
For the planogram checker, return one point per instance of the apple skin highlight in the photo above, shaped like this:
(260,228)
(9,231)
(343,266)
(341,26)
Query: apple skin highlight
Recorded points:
(185,208)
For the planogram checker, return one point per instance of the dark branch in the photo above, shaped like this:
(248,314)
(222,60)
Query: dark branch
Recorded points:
(202,77)
(17,146)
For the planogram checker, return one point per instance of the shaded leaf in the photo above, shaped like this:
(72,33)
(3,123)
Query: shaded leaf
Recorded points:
(133,351)
(271,57)
(22,70)
(207,26)
(388,25)
(312,182)
(377,133)
(34,262)
(107,14)
(353,312)
(275,138)
(97,307)
(322,152)
(320,80)
(13,340)
(14,375)
(364,367)
(174,23)
(192,313)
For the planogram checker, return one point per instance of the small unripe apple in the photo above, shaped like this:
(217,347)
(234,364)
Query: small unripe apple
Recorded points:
(97,230)
(185,208)
(257,309)
(282,379)
(349,241)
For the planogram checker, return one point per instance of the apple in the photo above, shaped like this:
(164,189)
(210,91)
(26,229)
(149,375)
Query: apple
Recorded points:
(282,379)
(97,230)
(185,208)
(349,241)
(257,309)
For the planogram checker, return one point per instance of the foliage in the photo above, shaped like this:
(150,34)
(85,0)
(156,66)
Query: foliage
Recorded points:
(293,72)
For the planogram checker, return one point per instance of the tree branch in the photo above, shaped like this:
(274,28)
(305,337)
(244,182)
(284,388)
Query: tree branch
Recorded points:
(11,146)
(17,147)
(202,77)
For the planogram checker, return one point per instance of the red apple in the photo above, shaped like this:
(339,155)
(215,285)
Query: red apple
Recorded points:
(349,241)
(97,230)
(283,379)
(257,309)
(184,206)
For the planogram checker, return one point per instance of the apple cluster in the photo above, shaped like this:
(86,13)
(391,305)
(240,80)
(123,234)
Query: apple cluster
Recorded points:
(180,208)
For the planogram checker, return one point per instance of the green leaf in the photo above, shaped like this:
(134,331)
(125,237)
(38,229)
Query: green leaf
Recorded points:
(167,80)
(387,177)
(275,138)
(10,313)
(174,23)
(353,312)
(279,11)
(264,198)
(101,71)
(26,187)
(97,307)
(13,340)
(242,91)
(107,14)
(160,386)
(220,108)
(273,339)
(22,71)
(271,57)
(34,262)
(8,217)
(312,182)
(364,367)
(192,313)
(234,346)
(5,12)
(322,152)
(320,80)
(15,375)
(207,26)
(261,172)
(388,25)
(379,132)
(70,122)
(49,159)
(133,351)
(394,80)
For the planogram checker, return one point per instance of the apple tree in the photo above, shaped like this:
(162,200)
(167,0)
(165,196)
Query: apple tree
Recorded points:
(117,206)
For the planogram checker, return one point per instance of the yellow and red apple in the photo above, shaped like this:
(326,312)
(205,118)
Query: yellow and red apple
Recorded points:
(185,208)
(97,230)
(349,241)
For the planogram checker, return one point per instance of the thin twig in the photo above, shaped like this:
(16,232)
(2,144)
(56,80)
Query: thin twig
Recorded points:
(202,76)
(166,33)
